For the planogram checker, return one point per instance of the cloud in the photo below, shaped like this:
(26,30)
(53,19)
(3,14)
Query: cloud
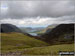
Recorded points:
(37,13)
(22,9)
(39,21)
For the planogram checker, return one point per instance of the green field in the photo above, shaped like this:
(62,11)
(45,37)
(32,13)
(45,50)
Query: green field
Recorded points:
(14,42)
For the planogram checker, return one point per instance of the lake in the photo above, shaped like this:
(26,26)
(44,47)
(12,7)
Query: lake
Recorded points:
(33,34)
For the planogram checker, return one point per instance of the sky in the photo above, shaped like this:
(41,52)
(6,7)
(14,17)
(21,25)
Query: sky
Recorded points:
(39,13)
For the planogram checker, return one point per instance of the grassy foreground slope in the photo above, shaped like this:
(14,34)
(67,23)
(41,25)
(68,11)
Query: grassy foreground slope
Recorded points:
(49,50)
(14,41)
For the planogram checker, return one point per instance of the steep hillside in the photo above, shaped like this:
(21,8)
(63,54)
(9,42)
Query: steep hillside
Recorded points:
(60,34)
(50,27)
(14,41)
(5,28)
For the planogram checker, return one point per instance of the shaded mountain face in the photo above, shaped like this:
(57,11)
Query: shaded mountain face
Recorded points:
(60,33)
(5,28)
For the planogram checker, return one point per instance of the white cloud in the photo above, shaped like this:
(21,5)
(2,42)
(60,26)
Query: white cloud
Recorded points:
(37,13)
(39,21)
(21,22)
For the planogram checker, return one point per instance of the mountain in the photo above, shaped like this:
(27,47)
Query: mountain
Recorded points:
(5,28)
(8,28)
(30,29)
(50,27)
(60,34)
(45,29)
(26,29)
(38,28)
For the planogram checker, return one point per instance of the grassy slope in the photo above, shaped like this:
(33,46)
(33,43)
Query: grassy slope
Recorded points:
(13,41)
(19,42)
(50,49)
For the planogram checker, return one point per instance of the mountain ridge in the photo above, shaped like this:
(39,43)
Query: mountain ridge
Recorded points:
(58,32)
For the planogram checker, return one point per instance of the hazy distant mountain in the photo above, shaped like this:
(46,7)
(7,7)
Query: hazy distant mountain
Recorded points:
(26,29)
(61,33)
(29,29)
(50,27)
(45,29)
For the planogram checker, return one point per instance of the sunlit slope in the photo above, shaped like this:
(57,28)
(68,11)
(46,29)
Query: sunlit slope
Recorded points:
(11,41)
(49,50)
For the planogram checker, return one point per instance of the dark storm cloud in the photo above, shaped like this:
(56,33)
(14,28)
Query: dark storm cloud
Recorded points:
(22,9)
